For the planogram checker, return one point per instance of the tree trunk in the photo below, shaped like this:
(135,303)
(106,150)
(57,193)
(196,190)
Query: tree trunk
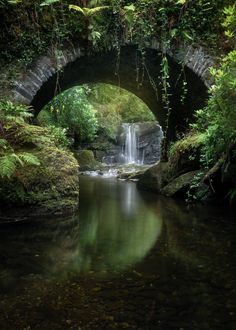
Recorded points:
(76,140)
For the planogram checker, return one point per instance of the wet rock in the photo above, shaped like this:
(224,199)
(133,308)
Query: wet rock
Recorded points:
(131,172)
(87,161)
(149,135)
(179,186)
(155,177)
(203,192)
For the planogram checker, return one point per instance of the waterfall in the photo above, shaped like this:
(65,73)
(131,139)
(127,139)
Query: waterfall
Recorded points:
(140,143)
(130,147)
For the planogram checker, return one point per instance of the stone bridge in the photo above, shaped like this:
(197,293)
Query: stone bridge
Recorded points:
(52,74)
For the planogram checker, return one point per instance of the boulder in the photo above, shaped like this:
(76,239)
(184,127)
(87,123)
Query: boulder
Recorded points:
(86,160)
(184,155)
(179,186)
(131,172)
(155,177)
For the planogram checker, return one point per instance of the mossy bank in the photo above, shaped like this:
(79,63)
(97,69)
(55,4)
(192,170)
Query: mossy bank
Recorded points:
(35,170)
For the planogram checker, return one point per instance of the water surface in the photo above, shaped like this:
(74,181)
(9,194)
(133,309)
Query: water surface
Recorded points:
(127,260)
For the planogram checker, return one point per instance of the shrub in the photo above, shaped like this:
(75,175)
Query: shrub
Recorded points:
(218,119)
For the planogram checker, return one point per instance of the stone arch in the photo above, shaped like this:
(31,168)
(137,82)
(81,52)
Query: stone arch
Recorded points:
(39,84)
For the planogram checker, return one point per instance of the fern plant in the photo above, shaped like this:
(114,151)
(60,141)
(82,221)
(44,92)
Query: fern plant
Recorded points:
(88,12)
(10,161)
(12,121)
(3,144)
(16,112)
(91,34)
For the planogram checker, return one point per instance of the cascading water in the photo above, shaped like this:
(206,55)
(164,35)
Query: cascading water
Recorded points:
(141,143)
(130,147)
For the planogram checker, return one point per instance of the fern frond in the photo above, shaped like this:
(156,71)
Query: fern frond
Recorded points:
(16,159)
(10,161)
(48,2)
(231,195)
(14,119)
(7,166)
(14,2)
(9,110)
(88,12)
(28,158)
(129,8)
(77,8)
(3,143)
(93,11)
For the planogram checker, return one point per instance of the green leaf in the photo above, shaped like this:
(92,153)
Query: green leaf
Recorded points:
(77,8)
(7,166)
(88,12)
(187,35)
(3,143)
(14,2)
(48,2)
(173,32)
(130,7)
(28,158)
(181,2)
(229,34)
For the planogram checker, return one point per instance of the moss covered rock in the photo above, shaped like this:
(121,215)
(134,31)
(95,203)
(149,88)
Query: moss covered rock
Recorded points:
(87,161)
(52,187)
(179,186)
(49,186)
(184,154)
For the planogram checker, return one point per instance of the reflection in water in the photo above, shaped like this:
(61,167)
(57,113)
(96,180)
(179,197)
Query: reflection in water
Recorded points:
(117,227)
(114,230)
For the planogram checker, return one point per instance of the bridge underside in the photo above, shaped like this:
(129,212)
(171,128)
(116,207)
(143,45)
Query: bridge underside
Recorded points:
(132,76)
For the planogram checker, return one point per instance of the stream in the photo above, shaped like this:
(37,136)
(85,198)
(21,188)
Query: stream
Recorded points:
(127,260)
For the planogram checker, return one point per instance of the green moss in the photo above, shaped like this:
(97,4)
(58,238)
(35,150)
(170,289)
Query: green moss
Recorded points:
(86,160)
(51,186)
(86,157)
(189,142)
(184,155)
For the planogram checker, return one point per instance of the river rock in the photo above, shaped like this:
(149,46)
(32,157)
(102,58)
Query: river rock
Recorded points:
(155,177)
(131,172)
(180,185)
(86,160)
